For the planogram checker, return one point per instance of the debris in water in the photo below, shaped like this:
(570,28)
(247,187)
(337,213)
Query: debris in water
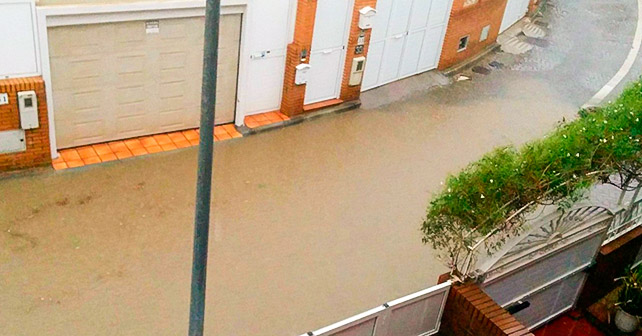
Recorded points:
(481,70)
(496,65)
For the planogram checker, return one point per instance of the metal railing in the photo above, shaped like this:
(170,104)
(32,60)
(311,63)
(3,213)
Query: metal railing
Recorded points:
(624,221)
(417,314)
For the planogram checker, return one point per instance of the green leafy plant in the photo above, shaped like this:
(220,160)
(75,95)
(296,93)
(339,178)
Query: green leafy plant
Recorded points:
(491,197)
(630,295)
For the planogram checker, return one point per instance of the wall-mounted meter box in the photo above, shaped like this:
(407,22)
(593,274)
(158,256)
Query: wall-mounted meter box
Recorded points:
(356,74)
(366,17)
(28,108)
(301,76)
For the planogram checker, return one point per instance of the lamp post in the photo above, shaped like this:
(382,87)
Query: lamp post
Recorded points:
(204,178)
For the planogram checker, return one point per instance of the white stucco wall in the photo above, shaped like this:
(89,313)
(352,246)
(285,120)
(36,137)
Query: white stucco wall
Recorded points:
(18,41)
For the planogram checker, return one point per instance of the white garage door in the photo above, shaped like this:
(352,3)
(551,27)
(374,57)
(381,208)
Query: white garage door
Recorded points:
(515,10)
(406,39)
(120,80)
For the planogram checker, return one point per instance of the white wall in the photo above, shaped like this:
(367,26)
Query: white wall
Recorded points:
(270,25)
(18,42)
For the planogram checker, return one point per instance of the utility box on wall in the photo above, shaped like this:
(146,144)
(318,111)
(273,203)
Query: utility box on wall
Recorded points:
(366,17)
(301,75)
(356,74)
(18,49)
(12,141)
(28,108)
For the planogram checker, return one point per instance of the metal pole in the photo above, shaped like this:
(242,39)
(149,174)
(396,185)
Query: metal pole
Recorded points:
(204,179)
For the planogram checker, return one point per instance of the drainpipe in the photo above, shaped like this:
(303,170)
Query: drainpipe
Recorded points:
(204,178)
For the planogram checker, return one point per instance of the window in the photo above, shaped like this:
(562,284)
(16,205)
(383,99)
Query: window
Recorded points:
(484,33)
(470,2)
(463,43)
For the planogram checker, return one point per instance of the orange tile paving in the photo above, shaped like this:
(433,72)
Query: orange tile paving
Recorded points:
(122,149)
(262,119)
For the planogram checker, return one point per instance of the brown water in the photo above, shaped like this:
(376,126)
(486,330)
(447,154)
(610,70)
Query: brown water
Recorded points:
(311,224)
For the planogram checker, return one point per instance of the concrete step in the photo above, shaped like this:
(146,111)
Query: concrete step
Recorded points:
(514,45)
(533,30)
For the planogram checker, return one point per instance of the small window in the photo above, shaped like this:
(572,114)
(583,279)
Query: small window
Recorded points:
(484,33)
(470,2)
(463,43)
(28,102)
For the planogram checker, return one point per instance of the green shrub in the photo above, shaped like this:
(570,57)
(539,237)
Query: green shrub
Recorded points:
(492,196)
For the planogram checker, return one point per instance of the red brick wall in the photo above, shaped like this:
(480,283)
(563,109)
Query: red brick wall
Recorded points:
(294,95)
(534,6)
(38,152)
(470,21)
(470,312)
(353,92)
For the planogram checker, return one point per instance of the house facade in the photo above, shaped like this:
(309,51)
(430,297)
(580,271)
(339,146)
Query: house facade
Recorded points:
(105,70)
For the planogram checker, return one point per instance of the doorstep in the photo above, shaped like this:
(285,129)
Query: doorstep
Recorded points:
(321,105)
(263,122)
(139,146)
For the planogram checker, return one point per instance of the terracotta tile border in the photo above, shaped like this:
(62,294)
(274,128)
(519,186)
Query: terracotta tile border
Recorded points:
(262,119)
(149,144)
(123,149)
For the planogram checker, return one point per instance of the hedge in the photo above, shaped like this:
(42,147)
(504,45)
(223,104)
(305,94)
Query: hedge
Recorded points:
(493,195)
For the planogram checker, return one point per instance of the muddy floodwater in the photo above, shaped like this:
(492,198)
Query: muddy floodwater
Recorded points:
(310,224)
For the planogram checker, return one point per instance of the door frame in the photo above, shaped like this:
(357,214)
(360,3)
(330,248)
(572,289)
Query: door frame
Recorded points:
(342,62)
(54,16)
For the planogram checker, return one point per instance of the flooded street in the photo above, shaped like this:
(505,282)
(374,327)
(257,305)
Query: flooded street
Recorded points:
(310,224)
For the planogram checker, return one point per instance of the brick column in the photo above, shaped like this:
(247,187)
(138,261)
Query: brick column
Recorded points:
(469,21)
(37,152)
(470,312)
(353,92)
(294,95)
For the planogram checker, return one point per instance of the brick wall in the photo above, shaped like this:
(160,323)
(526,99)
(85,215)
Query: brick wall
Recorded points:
(610,263)
(353,92)
(294,95)
(470,312)
(469,21)
(38,152)
(534,5)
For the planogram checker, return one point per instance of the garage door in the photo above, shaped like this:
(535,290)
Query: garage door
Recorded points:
(120,80)
(406,39)
(515,10)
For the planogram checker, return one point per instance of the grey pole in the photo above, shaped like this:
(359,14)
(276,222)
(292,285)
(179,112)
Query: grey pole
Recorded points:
(204,179)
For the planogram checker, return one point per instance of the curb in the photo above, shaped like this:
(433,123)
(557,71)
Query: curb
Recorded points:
(343,107)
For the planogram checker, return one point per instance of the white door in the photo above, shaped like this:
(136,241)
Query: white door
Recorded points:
(515,10)
(327,55)
(114,80)
(406,39)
